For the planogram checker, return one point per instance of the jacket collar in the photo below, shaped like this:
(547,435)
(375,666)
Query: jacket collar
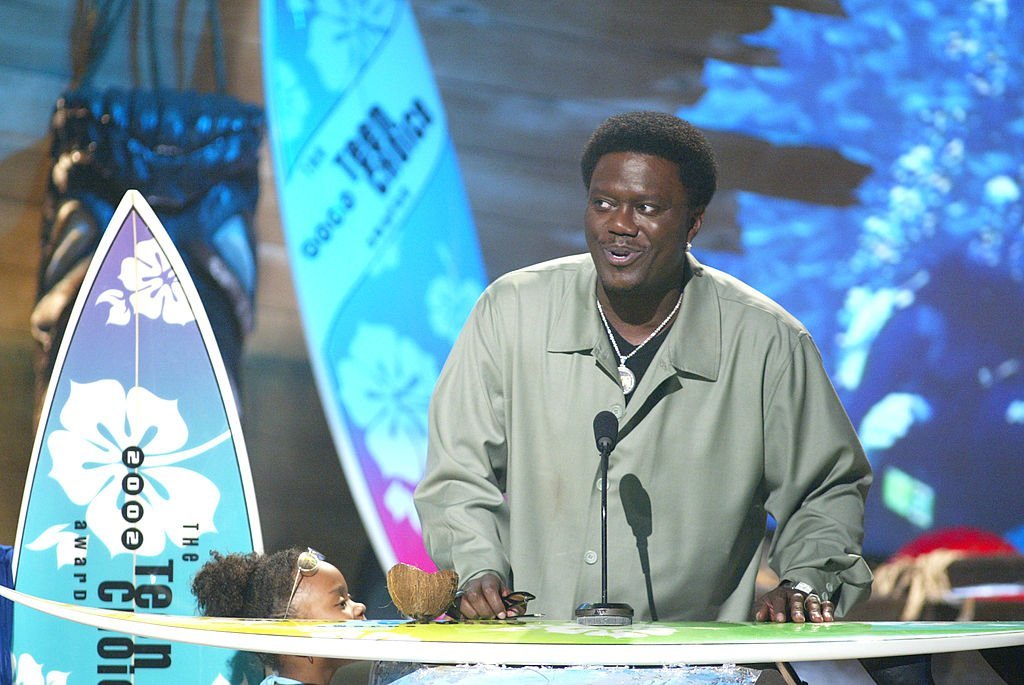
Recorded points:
(693,345)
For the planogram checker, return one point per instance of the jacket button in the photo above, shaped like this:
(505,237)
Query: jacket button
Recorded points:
(590,557)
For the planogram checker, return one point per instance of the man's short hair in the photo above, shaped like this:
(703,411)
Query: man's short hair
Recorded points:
(662,135)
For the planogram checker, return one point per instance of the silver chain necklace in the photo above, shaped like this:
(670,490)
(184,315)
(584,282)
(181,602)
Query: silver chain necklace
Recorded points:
(626,377)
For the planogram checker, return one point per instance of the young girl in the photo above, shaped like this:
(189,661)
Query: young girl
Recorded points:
(288,584)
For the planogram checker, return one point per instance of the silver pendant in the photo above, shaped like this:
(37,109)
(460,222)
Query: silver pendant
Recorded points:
(626,379)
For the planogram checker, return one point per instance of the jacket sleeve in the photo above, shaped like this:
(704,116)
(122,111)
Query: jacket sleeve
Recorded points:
(817,478)
(460,499)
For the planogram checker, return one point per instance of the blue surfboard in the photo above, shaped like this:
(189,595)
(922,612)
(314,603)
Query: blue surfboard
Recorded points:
(138,470)
(382,246)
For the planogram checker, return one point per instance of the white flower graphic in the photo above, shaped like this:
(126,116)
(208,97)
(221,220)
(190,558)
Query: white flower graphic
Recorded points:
(450,298)
(30,672)
(399,502)
(343,34)
(385,385)
(617,632)
(64,540)
(150,287)
(449,302)
(100,420)
(290,118)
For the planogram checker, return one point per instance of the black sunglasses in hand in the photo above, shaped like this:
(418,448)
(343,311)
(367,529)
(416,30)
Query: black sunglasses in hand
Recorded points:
(517,601)
(514,601)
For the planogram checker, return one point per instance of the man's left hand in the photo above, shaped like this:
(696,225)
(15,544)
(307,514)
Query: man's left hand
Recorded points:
(789,604)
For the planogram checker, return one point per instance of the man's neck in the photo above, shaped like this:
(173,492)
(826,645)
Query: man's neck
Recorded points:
(635,316)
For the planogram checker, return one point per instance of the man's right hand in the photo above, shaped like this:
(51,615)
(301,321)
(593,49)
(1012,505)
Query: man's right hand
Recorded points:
(481,599)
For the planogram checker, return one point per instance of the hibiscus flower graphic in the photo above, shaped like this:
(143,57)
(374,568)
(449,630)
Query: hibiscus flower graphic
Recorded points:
(151,288)
(100,420)
(342,36)
(30,672)
(450,298)
(292,117)
(385,383)
(63,539)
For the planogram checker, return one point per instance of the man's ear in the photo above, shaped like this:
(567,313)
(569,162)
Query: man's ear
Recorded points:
(698,221)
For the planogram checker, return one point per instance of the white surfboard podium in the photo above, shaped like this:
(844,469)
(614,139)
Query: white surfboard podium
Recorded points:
(551,643)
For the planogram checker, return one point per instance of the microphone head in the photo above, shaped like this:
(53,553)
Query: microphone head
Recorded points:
(606,431)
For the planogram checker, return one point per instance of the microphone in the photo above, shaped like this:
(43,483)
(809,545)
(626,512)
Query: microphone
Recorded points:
(606,432)
(637,505)
(603,613)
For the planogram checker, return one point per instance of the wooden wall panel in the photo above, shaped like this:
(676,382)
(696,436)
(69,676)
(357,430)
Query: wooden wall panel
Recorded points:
(15,424)
(547,44)
(23,166)
(19,255)
(268,222)
(554,65)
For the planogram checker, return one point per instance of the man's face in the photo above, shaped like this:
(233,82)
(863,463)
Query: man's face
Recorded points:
(637,224)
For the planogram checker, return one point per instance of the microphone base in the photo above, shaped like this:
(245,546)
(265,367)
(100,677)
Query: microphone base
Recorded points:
(604,614)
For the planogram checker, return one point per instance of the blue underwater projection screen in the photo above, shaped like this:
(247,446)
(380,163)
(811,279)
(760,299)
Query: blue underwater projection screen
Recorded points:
(914,289)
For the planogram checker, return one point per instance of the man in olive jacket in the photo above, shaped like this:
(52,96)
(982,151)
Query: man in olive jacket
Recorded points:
(725,415)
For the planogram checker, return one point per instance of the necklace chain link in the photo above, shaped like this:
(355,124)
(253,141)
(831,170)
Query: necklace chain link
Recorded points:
(615,345)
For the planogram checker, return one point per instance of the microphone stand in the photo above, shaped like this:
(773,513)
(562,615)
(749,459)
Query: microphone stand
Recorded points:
(604,613)
(604,527)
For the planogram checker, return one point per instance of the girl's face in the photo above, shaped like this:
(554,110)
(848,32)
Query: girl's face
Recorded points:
(324,596)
